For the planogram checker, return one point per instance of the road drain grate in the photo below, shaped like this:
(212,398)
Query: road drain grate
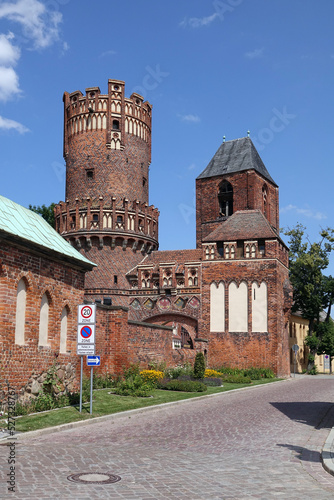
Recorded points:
(94,478)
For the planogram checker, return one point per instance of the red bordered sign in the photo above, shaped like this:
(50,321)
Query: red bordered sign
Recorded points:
(86,314)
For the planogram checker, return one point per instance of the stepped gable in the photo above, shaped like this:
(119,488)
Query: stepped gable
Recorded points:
(236,156)
(243,225)
(178,257)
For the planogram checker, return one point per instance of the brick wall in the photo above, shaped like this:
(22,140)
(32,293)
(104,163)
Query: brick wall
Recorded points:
(64,286)
(247,194)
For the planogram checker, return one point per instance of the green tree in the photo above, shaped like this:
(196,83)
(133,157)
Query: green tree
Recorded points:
(313,291)
(46,212)
(199,366)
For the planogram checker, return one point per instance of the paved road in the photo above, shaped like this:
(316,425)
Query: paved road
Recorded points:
(259,443)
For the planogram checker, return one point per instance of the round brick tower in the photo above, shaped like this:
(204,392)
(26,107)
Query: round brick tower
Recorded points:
(106,215)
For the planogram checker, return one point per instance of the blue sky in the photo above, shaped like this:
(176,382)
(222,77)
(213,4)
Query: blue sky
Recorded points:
(210,68)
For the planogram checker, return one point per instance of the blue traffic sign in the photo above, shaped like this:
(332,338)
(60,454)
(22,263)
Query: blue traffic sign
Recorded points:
(93,360)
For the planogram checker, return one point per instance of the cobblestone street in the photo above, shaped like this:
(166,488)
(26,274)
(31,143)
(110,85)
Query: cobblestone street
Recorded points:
(259,443)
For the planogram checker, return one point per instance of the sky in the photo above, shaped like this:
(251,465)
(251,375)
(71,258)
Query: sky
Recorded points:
(209,68)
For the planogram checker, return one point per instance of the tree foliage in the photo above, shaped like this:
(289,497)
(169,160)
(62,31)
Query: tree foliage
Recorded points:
(199,366)
(46,212)
(313,291)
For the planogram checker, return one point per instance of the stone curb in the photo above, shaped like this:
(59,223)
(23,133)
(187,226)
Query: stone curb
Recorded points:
(81,423)
(327,455)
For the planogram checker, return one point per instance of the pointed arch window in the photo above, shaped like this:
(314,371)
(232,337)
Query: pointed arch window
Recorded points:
(265,199)
(21,302)
(225,199)
(44,321)
(63,331)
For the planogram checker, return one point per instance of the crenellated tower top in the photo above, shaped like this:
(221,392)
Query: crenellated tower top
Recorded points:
(107,149)
(107,143)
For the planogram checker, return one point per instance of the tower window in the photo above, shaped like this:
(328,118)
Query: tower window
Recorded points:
(115,279)
(96,217)
(225,199)
(90,174)
(144,181)
(119,218)
(115,125)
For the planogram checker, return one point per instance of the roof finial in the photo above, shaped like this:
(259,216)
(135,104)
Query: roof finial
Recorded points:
(224,138)
(248,133)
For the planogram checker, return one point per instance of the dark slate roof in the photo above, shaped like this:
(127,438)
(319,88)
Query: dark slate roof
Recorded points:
(243,225)
(236,156)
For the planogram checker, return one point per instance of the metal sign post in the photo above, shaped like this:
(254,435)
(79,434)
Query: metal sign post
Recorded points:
(92,361)
(81,370)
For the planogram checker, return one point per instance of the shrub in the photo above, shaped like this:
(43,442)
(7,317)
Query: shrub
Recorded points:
(179,371)
(235,379)
(212,373)
(43,402)
(182,385)
(212,381)
(258,373)
(151,376)
(102,381)
(159,366)
(132,370)
(199,366)
(133,386)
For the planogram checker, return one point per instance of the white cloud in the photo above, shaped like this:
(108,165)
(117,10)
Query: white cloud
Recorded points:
(108,53)
(190,118)
(39,24)
(9,83)
(9,54)
(255,54)
(6,124)
(198,22)
(307,212)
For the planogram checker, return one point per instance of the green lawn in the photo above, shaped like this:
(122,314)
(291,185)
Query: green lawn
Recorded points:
(105,404)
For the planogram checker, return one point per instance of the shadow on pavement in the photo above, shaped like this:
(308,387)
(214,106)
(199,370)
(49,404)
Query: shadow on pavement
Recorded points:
(302,453)
(318,414)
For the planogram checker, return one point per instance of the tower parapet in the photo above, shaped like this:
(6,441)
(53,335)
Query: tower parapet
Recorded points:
(107,149)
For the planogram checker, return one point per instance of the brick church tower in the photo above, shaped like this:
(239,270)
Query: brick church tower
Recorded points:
(106,214)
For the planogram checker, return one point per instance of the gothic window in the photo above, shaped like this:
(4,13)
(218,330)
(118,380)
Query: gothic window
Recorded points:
(192,277)
(115,125)
(207,253)
(44,321)
(227,252)
(167,277)
(225,199)
(217,307)
(238,307)
(265,199)
(253,254)
(247,252)
(259,308)
(186,339)
(21,301)
(232,252)
(63,331)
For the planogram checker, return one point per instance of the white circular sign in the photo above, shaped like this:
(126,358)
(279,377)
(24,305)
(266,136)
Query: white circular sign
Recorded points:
(86,312)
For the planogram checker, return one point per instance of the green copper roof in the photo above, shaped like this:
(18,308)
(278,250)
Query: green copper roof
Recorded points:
(29,227)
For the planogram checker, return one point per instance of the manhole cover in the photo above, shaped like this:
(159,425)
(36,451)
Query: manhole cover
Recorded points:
(94,478)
